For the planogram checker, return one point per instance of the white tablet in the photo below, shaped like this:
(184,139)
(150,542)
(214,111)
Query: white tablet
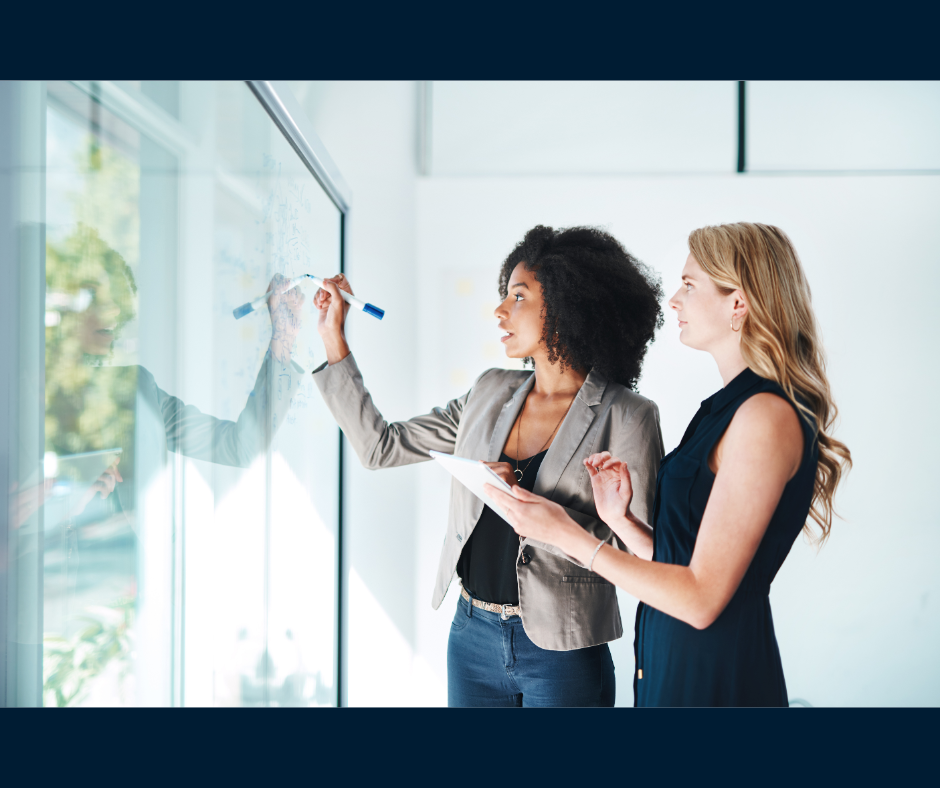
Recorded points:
(74,475)
(473,474)
(83,470)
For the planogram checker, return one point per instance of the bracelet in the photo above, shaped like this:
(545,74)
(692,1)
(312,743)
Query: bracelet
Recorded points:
(594,554)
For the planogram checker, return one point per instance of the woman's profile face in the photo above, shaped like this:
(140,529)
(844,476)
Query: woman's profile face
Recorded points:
(99,320)
(520,315)
(704,313)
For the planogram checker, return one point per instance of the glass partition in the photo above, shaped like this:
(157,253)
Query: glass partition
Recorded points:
(184,536)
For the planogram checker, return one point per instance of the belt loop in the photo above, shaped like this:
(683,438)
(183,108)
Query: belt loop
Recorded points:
(469,605)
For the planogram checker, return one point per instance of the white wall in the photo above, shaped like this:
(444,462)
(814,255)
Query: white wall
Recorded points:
(369,128)
(859,622)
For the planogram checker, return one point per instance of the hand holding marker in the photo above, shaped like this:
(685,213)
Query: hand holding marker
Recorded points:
(251,306)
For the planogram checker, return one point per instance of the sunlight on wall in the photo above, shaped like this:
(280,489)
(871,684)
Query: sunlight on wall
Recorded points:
(415,682)
(225,623)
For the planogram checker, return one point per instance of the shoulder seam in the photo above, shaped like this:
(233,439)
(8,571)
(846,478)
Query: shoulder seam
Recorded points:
(647,407)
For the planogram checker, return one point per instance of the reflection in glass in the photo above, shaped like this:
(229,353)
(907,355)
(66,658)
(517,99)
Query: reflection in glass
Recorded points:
(190,493)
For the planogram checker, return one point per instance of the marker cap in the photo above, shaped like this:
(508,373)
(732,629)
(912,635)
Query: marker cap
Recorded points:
(243,310)
(374,311)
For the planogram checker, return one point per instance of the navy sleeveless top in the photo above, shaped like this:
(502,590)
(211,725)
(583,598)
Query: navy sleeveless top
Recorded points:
(735,661)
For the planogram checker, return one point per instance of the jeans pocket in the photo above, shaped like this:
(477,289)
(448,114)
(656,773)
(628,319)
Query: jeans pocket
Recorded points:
(461,619)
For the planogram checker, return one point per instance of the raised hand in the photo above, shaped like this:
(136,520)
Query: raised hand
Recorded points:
(613,489)
(286,312)
(332,317)
(331,306)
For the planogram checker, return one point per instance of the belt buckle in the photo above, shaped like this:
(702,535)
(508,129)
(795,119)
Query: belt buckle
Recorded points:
(503,614)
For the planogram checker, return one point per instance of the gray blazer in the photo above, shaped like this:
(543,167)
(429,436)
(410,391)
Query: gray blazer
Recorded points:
(563,605)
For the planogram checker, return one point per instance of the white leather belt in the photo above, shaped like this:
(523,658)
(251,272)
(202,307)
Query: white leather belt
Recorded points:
(505,611)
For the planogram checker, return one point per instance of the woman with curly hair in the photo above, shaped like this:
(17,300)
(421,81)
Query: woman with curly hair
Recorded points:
(532,623)
(757,460)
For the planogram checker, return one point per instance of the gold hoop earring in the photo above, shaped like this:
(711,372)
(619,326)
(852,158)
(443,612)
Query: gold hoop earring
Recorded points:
(736,330)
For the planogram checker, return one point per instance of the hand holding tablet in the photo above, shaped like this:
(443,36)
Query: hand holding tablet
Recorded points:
(473,474)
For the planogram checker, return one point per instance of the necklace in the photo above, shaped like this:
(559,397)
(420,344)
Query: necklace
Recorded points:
(520,472)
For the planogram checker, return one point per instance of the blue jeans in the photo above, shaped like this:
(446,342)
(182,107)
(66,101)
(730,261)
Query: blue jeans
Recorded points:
(492,662)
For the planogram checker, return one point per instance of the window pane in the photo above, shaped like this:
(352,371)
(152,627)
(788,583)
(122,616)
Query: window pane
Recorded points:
(582,128)
(190,535)
(843,126)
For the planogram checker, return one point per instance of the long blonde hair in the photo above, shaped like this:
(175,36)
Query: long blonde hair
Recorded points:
(779,337)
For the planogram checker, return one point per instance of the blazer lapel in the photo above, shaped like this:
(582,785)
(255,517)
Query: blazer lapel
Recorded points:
(507,417)
(570,434)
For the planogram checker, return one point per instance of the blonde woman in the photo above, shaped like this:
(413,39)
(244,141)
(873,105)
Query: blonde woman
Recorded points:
(755,462)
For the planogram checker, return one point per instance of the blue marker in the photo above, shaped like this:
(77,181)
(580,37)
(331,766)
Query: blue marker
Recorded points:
(251,306)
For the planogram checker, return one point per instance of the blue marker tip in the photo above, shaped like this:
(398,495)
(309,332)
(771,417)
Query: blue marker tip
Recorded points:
(244,309)
(374,311)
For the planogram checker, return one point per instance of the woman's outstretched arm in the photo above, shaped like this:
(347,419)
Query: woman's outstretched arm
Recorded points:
(759,453)
(378,443)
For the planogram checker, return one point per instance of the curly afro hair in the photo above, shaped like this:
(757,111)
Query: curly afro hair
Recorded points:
(602,301)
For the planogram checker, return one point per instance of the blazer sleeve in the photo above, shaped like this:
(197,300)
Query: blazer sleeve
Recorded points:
(193,433)
(378,443)
(640,445)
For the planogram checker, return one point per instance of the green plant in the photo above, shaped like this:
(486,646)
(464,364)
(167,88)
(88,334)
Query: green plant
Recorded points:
(69,664)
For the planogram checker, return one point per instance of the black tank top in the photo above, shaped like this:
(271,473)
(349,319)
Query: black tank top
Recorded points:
(487,565)
(735,661)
